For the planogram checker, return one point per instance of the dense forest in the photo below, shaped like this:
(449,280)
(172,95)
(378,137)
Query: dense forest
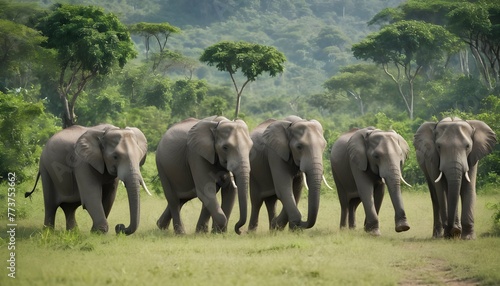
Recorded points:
(390,64)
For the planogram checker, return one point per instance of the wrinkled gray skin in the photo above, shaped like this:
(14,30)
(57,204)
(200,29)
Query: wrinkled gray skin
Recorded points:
(81,166)
(283,151)
(361,160)
(449,150)
(195,158)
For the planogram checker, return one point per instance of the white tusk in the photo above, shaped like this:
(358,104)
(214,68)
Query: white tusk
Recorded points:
(232,180)
(439,178)
(383,180)
(305,181)
(326,183)
(467,176)
(143,184)
(403,180)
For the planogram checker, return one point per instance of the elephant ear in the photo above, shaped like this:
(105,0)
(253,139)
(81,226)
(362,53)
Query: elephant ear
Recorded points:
(142,142)
(404,146)
(424,144)
(88,148)
(356,148)
(201,139)
(484,140)
(277,139)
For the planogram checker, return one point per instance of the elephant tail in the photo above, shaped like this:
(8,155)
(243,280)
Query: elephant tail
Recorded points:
(28,194)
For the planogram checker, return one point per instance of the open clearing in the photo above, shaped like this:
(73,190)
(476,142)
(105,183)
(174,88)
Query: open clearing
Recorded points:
(323,255)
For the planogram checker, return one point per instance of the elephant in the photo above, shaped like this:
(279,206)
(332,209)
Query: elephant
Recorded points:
(197,158)
(448,152)
(363,161)
(82,165)
(285,151)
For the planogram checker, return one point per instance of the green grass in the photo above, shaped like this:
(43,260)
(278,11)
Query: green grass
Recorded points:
(323,255)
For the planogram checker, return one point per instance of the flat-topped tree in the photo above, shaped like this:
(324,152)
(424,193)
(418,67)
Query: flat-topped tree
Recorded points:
(89,42)
(252,59)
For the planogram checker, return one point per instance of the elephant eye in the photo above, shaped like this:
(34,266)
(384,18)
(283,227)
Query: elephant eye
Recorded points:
(299,147)
(115,156)
(467,146)
(225,147)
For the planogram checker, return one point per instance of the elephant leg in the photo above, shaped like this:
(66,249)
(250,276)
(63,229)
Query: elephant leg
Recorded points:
(271,214)
(164,221)
(228,197)
(378,196)
(69,211)
(108,196)
(206,191)
(353,206)
(371,217)
(257,202)
(437,228)
(202,224)
(468,196)
(91,196)
(50,200)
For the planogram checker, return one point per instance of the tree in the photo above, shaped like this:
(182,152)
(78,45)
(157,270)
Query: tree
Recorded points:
(356,81)
(252,59)
(159,32)
(409,46)
(88,42)
(478,25)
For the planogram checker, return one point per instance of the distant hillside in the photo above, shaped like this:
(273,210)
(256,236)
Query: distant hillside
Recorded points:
(315,35)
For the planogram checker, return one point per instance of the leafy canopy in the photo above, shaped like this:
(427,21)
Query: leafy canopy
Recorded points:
(252,59)
(86,36)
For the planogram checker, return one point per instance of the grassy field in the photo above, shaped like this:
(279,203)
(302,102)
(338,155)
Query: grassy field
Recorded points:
(323,255)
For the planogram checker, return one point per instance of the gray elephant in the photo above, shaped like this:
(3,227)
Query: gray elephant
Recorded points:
(448,152)
(363,161)
(283,151)
(81,166)
(197,158)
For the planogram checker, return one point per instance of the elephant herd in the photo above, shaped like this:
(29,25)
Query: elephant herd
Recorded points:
(198,158)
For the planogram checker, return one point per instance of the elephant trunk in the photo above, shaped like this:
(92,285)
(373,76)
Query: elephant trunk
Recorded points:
(242,182)
(133,185)
(454,180)
(393,181)
(314,177)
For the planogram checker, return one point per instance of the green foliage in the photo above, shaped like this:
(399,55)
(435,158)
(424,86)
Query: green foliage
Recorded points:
(252,59)
(89,42)
(495,217)
(23,128)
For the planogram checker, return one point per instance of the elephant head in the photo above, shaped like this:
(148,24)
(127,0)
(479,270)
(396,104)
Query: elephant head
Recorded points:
(448,151)
(382,154)
(301,143)
(225,143)
(118,153)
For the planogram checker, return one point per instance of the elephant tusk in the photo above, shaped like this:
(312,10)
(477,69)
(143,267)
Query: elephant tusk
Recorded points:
(326,183)
(305,180)
(403,180)
(383,180)
(143,184)
(439,178)
(232,180)
(467,176)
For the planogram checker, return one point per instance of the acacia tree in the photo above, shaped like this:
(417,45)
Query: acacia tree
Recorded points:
(357,81)
(89,43)
(252,59)
(159,33)
(408,46)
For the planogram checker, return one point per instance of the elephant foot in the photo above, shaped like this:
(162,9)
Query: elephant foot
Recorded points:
(454,232)
(468,233)
(99,229)
(373,232)
(402,226)
(203,228)
(161,224)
